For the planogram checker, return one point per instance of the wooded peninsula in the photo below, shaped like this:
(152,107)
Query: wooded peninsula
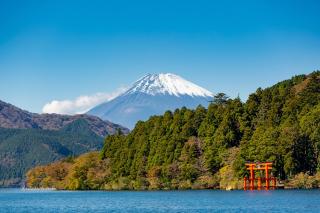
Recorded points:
(205,148)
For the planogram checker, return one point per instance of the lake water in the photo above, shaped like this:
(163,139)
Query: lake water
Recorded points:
(15,200)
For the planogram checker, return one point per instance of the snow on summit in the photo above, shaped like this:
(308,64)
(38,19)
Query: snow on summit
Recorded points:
(167,83)
(153,94)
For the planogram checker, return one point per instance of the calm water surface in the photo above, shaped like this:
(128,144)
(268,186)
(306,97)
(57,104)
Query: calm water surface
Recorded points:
(16,200)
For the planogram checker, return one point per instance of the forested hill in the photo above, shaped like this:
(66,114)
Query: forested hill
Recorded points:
(205,148)
(29,139)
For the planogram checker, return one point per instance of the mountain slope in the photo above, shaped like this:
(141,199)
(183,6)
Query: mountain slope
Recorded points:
(30,139)
(152,95)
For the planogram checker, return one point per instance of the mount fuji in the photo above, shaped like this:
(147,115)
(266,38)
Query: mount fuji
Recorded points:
(152,95)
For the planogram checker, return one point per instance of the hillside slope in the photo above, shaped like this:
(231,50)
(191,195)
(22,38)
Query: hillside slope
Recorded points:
(22,149)
(30,139)
(206,148)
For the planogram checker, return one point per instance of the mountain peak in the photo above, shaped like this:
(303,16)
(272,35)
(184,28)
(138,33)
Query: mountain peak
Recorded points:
(152,94)
(167,84)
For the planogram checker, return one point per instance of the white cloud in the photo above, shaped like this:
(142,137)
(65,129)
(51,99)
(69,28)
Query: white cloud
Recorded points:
(81,104)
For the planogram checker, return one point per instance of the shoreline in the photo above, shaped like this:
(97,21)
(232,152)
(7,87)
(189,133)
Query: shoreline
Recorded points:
(155,190)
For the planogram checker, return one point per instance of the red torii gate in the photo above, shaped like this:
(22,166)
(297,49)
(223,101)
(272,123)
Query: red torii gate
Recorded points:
(252,167)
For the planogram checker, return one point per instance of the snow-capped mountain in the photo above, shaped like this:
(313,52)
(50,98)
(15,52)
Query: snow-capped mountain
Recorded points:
(167,84)
(152,95)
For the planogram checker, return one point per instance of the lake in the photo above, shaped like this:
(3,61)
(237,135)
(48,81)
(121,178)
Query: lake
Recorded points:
(17,200)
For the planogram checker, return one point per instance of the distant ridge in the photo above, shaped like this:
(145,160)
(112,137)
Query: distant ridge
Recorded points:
(15,118)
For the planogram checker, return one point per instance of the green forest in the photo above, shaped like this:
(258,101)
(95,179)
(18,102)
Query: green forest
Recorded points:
(206,147)
(22,149)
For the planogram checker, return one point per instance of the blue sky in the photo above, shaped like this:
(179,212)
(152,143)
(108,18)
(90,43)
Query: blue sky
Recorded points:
(60,50)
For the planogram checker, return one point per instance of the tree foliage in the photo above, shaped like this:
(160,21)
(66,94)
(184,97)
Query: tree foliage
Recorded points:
(207,148)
